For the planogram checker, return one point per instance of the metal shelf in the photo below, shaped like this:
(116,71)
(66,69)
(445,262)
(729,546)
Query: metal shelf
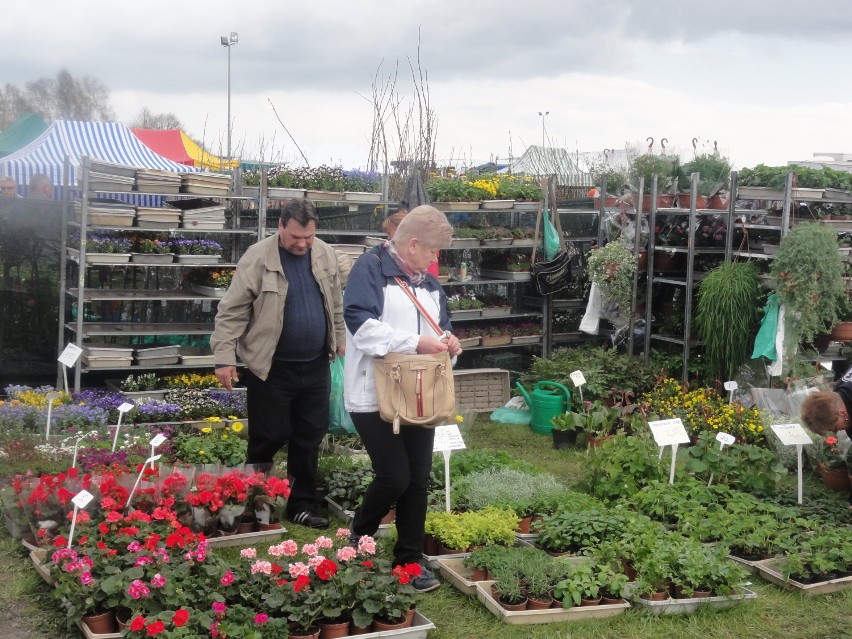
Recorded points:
(488,348)
(136,367)
(137,295)
(481,282)
(494,319)
(169,230)
(129,329)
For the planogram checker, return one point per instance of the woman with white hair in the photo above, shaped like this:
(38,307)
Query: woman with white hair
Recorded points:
(381,318)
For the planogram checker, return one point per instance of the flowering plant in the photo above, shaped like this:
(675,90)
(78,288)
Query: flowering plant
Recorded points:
(361,181)
(828,452)
(213,445)
(675,232)
(155,246)
(107,244)
(703,409)
(143,381)
(214,278)
(270,499)
(195,247)
(191,380)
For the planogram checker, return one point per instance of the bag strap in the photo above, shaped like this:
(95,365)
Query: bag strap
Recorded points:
(405,287)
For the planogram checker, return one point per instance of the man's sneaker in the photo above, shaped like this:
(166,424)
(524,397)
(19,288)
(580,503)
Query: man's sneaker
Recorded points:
(309,519)
(426,582)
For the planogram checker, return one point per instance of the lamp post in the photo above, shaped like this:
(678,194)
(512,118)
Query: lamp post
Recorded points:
(228,42)
(542,114)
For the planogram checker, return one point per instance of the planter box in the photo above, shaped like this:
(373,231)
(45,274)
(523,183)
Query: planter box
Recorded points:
(673,606)
(158,361)
(326,196)
(511,276)
(759,193)
(283,193)
(247,539)
(466,314)
(497,243)
(770,571)
(361,196)
(152,258)
(523,242)
(497,204)
(100,258)
(202,225)
(434,561)
(110,219)
(526,339)
(199,259)
(208,291)
(347,516)
(37,557)
(497,311)
(837,195)
(470,342)
(465,242)
(498,340)
(156,351)
(115,386)
(457,574)
(106,362)
(457,206)
(751,567)
(525,206)
(551,615)
(157,224)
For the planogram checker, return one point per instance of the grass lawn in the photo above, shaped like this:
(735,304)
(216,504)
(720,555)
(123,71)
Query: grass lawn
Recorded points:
(27,613)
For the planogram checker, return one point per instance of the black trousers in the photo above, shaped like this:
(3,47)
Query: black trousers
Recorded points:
(402,464)
(290,407)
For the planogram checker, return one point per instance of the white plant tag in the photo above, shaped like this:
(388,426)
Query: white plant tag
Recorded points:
(578,378)
(725,439)
(70,355)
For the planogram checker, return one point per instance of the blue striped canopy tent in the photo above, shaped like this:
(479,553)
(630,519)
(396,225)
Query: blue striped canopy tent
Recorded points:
(104,141)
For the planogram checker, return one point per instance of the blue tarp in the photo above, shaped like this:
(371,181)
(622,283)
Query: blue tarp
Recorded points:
(104,141)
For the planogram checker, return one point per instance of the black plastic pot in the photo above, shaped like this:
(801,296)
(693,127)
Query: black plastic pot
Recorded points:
(564,439)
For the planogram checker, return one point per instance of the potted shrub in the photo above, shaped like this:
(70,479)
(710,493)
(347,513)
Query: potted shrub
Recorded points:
(809,272)
(714,172)
(566,427)
(727,316)
(612,268)
(462,306)
(580,586)
(654,571)
(665,167)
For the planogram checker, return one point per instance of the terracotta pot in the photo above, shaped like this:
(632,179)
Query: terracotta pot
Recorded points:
(539,604)
(629,570)
(478,574)
(247,526)
(122,618)
(665,261)
(718,202)
(595,442)
(835,479)
(513,607)
(389,518)
(379,625)
(842,332)
(333,630)
(697,594)
(265,527)
(443,550)
(611,601)
(524,524)
(103,623)
(660,595)
(312,633)
(430,545)
(409,616)
(611,200)
(590,602)
(355,630)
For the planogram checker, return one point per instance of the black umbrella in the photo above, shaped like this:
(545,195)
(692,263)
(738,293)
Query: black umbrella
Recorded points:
(415,193)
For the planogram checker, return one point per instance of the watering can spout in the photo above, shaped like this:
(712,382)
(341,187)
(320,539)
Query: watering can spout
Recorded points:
(525,394)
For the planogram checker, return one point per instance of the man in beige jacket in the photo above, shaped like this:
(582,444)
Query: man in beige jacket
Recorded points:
(283,316)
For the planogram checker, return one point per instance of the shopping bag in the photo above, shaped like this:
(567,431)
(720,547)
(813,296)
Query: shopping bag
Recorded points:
(764,343)
(339,421)
(551,239)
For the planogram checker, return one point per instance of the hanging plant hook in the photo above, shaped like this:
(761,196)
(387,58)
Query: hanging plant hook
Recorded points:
(606,155)
(695,146)
(650,145)
(715,148)
(663,144)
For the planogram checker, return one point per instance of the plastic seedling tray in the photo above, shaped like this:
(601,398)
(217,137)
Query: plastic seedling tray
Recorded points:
(688,606)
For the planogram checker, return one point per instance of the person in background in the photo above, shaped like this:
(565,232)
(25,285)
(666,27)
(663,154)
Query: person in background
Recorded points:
(283,315)
(8,187)
(390,225)
(381,318)
(829,411)
(40,187)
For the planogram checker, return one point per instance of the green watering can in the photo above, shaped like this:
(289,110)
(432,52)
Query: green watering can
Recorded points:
(548,400)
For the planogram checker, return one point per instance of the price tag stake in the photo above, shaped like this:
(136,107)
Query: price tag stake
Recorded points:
(447,439)
(794,435)
(50,397)
(126,406)
(579,379)
(724,439)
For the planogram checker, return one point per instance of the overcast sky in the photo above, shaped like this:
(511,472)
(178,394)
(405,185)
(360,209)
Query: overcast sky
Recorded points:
(767,80)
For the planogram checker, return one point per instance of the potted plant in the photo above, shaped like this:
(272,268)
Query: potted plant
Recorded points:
(580,586)
(151,251)
(508,586)
(566,428)
(809,272)
(654,571)
(496,236)
(464,306)
(714,172)
(612,268)
(498,335)
(523,236)
(727,316)
(453,191)
(665,167)
(196,251)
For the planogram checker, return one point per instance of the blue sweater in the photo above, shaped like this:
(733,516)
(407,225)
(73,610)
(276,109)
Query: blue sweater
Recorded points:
(303,334)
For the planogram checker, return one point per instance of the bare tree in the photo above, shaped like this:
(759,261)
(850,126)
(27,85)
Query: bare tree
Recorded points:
(60,98)
(147,119)
(413,124)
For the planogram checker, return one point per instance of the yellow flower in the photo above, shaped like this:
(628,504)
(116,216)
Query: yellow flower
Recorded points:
(206,430)
(459,419)
(201,452)
(237,427)
(224,435)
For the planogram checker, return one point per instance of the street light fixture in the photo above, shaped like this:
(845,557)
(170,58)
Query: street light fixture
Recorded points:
(229,41)
(542,114)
